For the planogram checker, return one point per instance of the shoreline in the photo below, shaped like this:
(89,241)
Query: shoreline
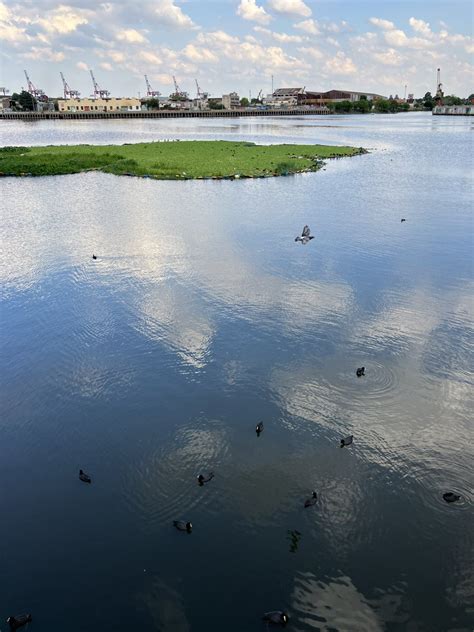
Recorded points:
(172,160)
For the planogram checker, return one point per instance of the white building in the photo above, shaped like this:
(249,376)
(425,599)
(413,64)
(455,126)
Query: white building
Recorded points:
(121,104)
(231,101)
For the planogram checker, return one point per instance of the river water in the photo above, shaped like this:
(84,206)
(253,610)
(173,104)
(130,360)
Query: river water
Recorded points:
(200,318)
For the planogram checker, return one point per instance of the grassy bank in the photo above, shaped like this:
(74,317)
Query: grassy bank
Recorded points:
(170,160)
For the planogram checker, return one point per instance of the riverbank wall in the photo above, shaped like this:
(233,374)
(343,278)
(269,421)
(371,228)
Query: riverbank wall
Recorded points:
(66,116)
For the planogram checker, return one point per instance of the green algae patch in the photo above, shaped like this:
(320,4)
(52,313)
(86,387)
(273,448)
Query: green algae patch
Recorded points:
(171,160)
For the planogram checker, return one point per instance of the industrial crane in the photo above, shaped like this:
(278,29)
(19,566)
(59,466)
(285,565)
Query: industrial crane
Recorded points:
(149,91)
(98,91)
(68,92)
(35,92)
(200,93)
(178,95)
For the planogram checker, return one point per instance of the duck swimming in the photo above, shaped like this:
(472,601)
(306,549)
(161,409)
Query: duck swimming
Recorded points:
(451,497)
(347,441)
(305,235)
(276,616)
(360,371)
(84,477)
(205,479)
(94,256)
(259,428)
(309,502)
(19,621)
(181,525)
(403,219)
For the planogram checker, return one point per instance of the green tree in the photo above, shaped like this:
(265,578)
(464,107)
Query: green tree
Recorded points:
(244,102)
(381,105)
(215,106)
(428,102)
(27,101)
(343,106)
(363,106)
(452,100)
(152,104)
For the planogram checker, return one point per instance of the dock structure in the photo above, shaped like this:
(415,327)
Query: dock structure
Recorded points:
(453,110)
(142,114)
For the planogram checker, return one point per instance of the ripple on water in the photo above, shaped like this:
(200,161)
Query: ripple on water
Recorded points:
(163,485)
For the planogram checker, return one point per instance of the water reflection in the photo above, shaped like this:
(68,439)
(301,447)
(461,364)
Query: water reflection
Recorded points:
(202,317)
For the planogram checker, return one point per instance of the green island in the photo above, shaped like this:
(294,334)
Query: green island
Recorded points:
(171,160)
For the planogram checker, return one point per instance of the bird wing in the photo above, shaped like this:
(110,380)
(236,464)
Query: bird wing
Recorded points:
(306,231)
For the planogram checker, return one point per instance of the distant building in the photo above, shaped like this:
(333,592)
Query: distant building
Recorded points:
(124,104)
(284,97)
(231,101)
(317,98)
(5,103)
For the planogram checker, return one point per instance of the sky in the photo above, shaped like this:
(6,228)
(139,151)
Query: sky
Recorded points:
(238,45)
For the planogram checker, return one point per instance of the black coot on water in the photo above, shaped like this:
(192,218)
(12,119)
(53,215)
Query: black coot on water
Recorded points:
(259,428)
(276,616)
(85,478)
(19,621)
(451,497)
(182,525)
(360,371)
(311,501)
(347,440)
(203,478)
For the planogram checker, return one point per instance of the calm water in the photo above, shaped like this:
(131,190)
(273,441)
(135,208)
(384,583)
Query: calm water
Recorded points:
(202,317)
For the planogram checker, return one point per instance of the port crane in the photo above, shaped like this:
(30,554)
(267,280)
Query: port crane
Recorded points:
(200,93)
(178,95)
(149,91)
(68,92)
(98,91)
(35,92)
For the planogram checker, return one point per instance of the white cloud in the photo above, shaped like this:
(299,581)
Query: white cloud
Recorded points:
(249,10)
(106,66)
(280,37)
(333,41)
(398,38)
(389,57)
(217,37)
(82,66)
(63,20)
(340,64)
(383,24)
(131,36)
(171,15)
(149,57)
(43,54)
(292,7)
(199,54)
(311,51)
(308,26)
(420,26)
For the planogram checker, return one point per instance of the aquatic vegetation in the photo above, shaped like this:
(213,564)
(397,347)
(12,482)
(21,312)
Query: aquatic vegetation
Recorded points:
(171,160)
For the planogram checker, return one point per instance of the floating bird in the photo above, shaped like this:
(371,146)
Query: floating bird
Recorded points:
(311,501)
(205,479)
(347,441)
(259,427)
(360,371)
(451,497)
(181,525)
(94,256)
(276,616)
(85,478)
(403,219)
(19,621)
(305,235)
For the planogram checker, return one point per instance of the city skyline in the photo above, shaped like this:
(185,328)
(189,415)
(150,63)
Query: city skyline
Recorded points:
(237,45)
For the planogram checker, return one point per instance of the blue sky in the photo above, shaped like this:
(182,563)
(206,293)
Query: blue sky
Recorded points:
(378,46)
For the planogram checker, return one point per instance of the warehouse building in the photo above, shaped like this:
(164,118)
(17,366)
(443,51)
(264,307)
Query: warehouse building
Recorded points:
(124,104)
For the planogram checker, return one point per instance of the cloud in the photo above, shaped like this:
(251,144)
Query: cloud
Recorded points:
(106,66)
(149,57)
(280,37)
(131,36)
(82,66)
(292,7)
(171,15)
(200,54)
(249,10)
(43,54)
(398,38)
(389,57)
(420,26)
(311,51)
(383,24)
(340,64)
(308,26)
(63,20)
